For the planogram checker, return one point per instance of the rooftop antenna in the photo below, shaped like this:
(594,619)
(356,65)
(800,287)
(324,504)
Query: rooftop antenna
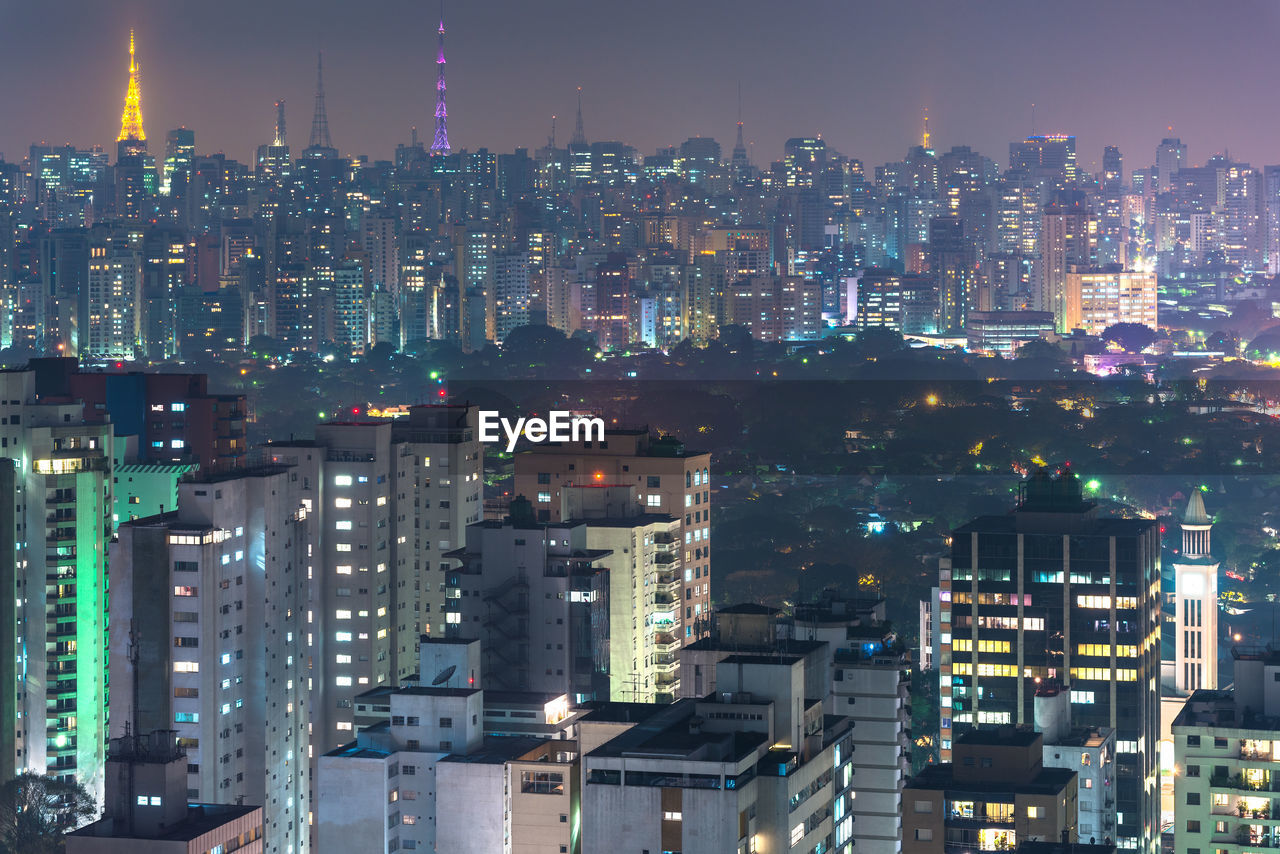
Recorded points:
(413,136)
(1033,118)
(551,141)
(924,136)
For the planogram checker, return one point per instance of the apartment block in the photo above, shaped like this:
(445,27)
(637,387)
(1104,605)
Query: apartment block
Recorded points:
(996,795)
(669,478)
(208,641)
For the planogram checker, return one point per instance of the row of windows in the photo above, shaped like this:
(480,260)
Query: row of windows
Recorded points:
(966,645)
(1103,650)
(1104,674)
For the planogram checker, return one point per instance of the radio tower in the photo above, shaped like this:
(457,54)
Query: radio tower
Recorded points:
(320,121)
(132,136)
(579,135)
(440,145)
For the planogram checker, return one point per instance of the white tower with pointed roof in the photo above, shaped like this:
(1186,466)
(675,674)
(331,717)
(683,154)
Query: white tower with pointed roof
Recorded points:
(1196,601)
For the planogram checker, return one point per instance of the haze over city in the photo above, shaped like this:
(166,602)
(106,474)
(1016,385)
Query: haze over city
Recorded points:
(656,73)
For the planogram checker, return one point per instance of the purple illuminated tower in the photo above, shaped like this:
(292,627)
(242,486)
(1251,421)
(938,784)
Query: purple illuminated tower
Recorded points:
(440,145)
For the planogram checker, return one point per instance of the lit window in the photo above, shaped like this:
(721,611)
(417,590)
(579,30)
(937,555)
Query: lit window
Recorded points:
(186,667)
(177,443)
(343,569)
(544,497)
(342,636)
(342,480)
(342,659)
(342,681)
(343,615)
(670,815)
(178,407)
(342,547)
(342,502)
(342,525)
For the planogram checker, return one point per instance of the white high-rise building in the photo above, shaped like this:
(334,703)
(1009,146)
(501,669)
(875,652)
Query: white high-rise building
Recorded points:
(208,640)
(1227,759)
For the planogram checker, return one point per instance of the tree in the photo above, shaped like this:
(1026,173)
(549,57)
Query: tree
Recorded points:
(1038,348)
(37,812)
(1133,337)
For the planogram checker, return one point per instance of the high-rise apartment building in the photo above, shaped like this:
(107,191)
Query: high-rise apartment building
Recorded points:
(1053,591)
(58,505)
(1227,760)
(387,503)
(672,480)
(439,491)
(209,631)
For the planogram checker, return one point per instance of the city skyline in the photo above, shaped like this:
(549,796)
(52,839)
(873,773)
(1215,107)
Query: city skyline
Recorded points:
(506,81)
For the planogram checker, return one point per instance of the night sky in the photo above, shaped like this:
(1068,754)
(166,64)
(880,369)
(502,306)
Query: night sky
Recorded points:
(654,73)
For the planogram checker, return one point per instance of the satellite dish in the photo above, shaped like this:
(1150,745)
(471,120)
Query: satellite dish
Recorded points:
(444,676)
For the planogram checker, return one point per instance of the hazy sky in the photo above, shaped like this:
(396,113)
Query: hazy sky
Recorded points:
(653,73)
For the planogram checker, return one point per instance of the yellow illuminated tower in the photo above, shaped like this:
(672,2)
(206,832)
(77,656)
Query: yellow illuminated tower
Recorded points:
(132,139)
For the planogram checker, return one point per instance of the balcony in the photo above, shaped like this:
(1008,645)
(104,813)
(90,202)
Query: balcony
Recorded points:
(664,642)
(1239,783)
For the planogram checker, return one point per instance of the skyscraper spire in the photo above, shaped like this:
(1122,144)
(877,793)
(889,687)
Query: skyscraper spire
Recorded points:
(320,121)
(440,145)
(579,135)
(924,136)
(131,120)
(280,137)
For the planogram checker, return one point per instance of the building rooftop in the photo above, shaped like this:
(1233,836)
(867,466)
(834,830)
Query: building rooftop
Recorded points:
(497,750)
(750,608)
(201,818)
(1048,781)
(792,648)
(768,658)
(353,750)
(1005,736)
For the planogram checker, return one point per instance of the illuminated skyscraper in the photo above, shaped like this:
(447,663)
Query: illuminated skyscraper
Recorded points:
(951,262)
(179,151)
(1068,241)
(1171,156)
(1055,592)
(1052,156)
